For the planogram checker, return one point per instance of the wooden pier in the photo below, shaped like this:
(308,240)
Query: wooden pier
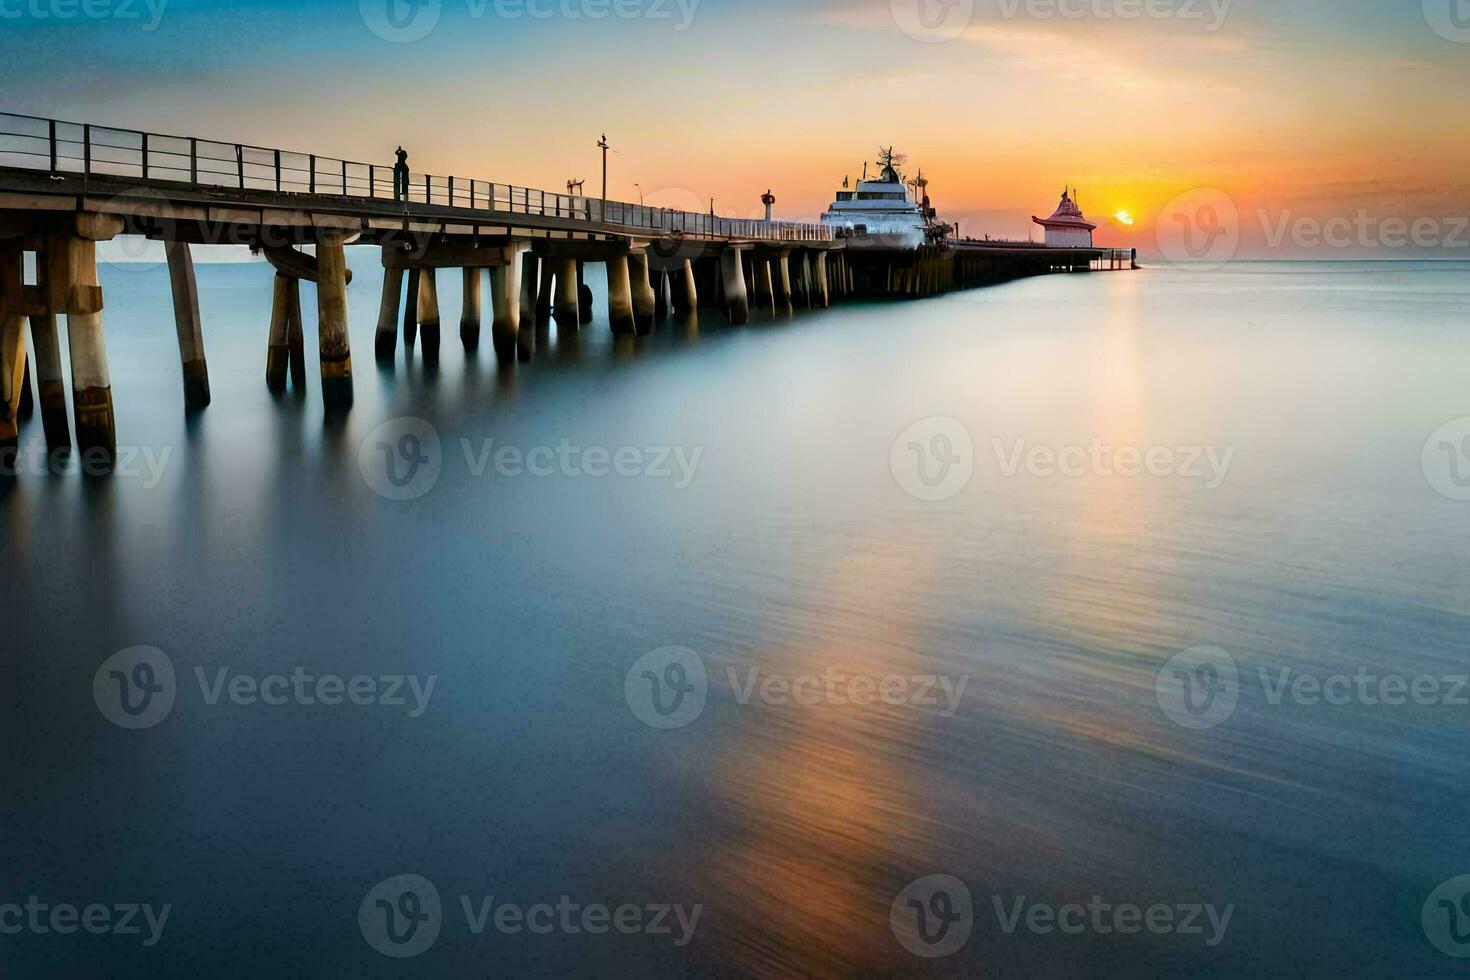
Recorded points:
(64,187)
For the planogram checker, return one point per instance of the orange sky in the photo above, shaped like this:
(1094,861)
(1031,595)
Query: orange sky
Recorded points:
(1294,108)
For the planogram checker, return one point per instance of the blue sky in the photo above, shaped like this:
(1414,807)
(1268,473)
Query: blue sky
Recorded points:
(1324,105)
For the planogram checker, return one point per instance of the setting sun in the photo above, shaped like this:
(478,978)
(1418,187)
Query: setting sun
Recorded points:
(1124,218)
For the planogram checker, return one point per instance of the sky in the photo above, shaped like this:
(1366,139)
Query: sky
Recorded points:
(1314,127)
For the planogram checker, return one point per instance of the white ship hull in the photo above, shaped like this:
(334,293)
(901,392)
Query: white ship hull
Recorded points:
(878,213)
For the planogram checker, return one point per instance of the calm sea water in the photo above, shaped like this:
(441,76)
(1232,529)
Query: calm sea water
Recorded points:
(798,550)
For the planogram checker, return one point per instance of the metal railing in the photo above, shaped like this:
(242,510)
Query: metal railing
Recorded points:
(53,146)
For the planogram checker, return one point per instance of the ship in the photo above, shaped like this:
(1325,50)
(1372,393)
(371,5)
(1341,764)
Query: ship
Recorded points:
(885,212)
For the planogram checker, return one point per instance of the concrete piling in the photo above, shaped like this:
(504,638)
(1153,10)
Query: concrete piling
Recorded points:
(27,406)
(185,287)
(296,335)
(334,343)
(91,382)
(278,350)
(505,298)
(736,299)
(645,304)
(12,377)
(584,295)
(620,297)
(660,295)
(429,326)
(46,348)
(385,343)
(568,314)
(469,317)
(765,291)
(819,288)
(529,285)
(411,309)
(543,297)
(783,283)
(686,291)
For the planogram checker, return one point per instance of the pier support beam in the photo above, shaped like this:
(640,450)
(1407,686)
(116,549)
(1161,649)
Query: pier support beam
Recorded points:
(27,398)
(47,351)
(819,288)
(278,349)
(469,317)
(91,383)
(296,335)
(686,290)
(529,286)
(783,283)
(429,325)
(385,343)
(333,341)
(645,304)
(584,295)
(12,378)
(737,300)
(505,297)
(287,345)
(765,290)
(660,295)
(185,288)
(545,287)
(620,297)
(411,309)
(568,313)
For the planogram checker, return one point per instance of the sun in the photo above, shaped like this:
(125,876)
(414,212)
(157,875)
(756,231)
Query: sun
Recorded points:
(1124,218)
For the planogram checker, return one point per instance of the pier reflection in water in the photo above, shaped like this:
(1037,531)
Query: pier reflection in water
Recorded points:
(261,547)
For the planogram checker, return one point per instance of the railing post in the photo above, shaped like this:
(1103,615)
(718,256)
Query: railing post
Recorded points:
(145,156)
(240,163)
(53,146)
(428,189)
(344,178)
(193,160)
(87,150)
(451,192)
(372,180)
(278,171)
(311,181)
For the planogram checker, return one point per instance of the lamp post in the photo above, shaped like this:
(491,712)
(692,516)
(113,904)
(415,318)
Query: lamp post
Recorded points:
(605,147)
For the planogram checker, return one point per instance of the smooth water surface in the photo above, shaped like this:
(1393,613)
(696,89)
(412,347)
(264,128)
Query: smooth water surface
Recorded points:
(1324,550)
